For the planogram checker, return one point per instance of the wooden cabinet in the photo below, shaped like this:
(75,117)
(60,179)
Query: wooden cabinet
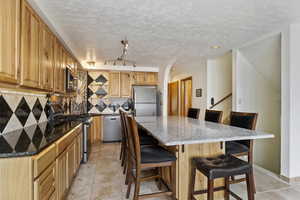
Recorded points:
(46,57)
(151,78)
(139,77)
(96,130)
(45,185)
(59,70)
(30,71)
(145,78)
(62,175)
(9,40)
(71,162)
(125,84)
(114,84)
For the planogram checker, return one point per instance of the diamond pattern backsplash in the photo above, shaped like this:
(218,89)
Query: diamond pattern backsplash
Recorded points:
(19,110)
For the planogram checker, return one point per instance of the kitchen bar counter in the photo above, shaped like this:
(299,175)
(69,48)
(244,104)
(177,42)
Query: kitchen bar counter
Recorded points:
(33,139)
(188,138)
(173,130)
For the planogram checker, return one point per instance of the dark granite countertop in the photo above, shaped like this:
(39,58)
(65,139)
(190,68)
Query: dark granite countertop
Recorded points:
(33,139)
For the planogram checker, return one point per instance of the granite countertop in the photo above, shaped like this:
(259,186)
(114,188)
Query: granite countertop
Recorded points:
(173,130)
(33,139)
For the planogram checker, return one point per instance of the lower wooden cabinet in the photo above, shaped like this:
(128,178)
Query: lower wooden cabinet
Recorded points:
(62,176)
(46,176)
(45,185)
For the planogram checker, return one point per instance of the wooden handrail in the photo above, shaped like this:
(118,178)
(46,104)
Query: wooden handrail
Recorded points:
(223,99)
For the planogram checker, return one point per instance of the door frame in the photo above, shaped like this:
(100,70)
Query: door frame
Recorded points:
(170,96)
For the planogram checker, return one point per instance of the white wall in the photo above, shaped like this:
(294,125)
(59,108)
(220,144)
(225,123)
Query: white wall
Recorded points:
(291,106)
(258,89)
(199,77)
(219,82)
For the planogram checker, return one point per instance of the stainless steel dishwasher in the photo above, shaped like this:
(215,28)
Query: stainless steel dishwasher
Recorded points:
(112,128)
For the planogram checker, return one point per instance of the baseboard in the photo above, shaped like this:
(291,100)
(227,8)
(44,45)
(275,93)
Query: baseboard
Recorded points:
(290,180)
(272,174)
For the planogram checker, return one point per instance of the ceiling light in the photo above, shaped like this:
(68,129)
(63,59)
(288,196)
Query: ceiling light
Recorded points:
(215,47)
(122,59)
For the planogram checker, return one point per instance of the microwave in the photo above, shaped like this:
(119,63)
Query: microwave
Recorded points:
(71,81)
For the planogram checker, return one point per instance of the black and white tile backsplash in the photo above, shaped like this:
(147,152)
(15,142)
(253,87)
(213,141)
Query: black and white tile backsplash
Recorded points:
(19,110)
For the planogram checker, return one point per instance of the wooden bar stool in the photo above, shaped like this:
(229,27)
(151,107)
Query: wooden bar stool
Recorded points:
(223,166)
(242,147)
(213,116)
(143,158)
(193,113)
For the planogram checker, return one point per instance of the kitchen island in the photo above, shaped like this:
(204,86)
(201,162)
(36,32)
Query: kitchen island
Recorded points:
(189,138)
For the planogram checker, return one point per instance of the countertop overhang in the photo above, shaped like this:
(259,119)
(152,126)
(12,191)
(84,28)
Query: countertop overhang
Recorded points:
(176,130)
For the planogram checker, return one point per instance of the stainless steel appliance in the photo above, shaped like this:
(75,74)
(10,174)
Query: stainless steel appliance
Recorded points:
(71,81)
(145,100)
(112,128)
(85,140)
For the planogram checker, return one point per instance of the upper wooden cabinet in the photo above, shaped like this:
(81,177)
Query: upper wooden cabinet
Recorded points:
(46,57)
(59,70)
(30,71)
(151,78)
(145,78)
(125,84)
(114,84)
(9,40)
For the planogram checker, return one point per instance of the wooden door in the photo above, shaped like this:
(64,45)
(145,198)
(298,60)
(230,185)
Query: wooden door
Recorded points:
(186,95)
(62,176)
(114,84)
(30,70)
(9,40)
(151,78)
(46,45)
(173,98)
(125,84)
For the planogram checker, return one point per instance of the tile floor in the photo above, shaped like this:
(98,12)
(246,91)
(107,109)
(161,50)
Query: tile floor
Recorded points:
(102,179)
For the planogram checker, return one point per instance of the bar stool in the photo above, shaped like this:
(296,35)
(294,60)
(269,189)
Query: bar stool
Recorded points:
(242,147)
(223,166)
(142,158)
(145,140)
(213,116)
(193,113)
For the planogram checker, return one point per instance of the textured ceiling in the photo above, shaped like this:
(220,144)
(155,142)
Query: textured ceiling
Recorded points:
(164,30)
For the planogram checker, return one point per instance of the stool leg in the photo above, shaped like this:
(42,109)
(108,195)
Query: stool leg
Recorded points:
(250,186)
(227,188)
(210,189)
(129,179)
(173,179)
(192,183)
(137,185)
(122,151)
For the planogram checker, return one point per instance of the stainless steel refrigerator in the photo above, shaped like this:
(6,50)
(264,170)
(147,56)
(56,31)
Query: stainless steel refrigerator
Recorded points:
(145,100)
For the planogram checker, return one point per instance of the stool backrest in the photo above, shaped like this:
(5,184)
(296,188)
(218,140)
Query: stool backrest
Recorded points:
(213,116)
(243,120)
(193,113)
(133,139)
(122,125)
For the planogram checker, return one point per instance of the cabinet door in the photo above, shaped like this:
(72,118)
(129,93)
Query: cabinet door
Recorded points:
(46,57)
(114,84)
(30,70)
(71,162)
(151,78)
(125,84)
(62,176)
(139,78)
(59,72)
(9,40)
(45,185)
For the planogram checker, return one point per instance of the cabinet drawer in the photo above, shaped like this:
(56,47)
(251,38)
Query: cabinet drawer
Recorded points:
(43,160)
(44,186)
(64,142)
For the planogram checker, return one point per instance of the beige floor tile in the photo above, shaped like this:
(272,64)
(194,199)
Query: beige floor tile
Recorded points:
(102,179)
